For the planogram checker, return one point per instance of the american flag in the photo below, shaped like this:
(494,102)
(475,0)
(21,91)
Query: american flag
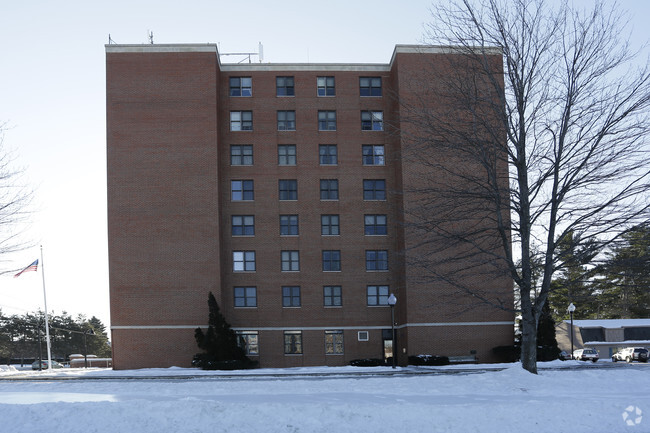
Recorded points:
(32,267)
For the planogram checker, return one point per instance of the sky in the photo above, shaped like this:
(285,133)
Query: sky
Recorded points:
(52,97)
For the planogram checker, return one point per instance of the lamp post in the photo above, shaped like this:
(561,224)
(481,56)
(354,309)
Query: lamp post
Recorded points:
(392,300)
(571,309)
(86,332)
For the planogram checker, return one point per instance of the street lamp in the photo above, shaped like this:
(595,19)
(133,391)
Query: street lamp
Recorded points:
(86,332)
(392,300)
(571,309)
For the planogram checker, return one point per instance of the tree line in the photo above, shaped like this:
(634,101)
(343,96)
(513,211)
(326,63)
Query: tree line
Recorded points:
(22,337)
(610,283)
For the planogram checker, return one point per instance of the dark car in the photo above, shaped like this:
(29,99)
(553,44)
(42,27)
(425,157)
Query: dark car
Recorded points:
(630,354)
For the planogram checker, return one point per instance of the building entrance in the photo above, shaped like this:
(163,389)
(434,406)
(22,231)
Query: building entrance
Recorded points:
(387,339)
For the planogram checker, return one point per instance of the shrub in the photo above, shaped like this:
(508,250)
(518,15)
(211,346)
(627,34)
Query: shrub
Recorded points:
(428,360)
(507,353)
(367,362)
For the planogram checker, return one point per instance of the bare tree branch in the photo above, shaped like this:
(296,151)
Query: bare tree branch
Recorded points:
(520,154)
(15,201)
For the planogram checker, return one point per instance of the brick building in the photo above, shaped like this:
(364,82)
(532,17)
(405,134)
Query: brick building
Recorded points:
(280,188)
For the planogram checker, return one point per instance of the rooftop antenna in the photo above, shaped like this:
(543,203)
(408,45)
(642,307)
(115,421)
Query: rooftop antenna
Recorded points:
(110,41)
(260,54)
(150,37)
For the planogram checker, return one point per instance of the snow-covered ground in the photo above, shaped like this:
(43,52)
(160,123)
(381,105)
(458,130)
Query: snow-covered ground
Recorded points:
(572,398)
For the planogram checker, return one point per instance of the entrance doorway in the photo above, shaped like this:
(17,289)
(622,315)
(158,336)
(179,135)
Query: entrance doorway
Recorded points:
(387,340)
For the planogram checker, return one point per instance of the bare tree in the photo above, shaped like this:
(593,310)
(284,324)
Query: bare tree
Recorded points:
(15,199)
(548,140)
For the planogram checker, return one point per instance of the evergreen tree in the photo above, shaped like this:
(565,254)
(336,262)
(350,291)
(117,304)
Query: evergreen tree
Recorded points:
(574,283)
(626,276)
(547,349)
(220,344)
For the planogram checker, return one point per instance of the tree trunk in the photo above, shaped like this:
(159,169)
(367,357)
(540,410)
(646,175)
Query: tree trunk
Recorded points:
(528,341)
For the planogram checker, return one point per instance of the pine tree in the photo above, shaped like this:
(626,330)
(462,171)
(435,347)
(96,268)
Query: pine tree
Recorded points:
(220,344)
(574,285)
(626,275)
(547,349)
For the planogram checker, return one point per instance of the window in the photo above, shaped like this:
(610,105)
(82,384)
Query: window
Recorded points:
(289,225)
(331,260)
(249,341)
(290,261)
(329,189)
(329,225)
(373,154)
(241,154)
(372,120)
(284,86)
(376,260)
(327,120)
(243,225)
(287,154)
(241,120)
(243,261)
(377,295)
(286,120)
(291,296)
(334,342)
(362,336)
(288,189)
(241,86)
(370,86)
(241,190)
(374,189)
(292,342)
(375,224)
(327,154)
(332,296)
(326,86)
(245,297)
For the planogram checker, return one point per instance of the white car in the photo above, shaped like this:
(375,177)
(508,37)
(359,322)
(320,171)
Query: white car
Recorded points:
(630,354)
(585,354)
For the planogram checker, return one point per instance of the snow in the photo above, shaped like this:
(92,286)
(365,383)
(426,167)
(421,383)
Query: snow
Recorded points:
(610,323)
(565,396)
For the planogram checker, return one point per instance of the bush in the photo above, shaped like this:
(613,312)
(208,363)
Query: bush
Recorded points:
(428,360)
(367,362)
(547,353)
(507,353)
(202,361)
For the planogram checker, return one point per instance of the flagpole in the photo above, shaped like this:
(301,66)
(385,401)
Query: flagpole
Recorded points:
(47,326)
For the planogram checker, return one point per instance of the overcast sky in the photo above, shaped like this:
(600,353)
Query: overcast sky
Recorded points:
(52,94)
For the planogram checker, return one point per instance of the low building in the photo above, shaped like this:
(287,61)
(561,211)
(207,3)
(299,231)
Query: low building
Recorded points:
(80,361)
(604,335)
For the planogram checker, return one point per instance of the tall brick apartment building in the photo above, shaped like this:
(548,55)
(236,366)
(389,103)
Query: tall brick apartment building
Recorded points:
(281,189)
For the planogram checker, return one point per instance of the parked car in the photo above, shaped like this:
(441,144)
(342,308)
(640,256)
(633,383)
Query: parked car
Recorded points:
(585,354)
(564,356)
(44,365)
(630,354)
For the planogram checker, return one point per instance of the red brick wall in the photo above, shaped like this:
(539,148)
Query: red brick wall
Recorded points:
(163,205)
